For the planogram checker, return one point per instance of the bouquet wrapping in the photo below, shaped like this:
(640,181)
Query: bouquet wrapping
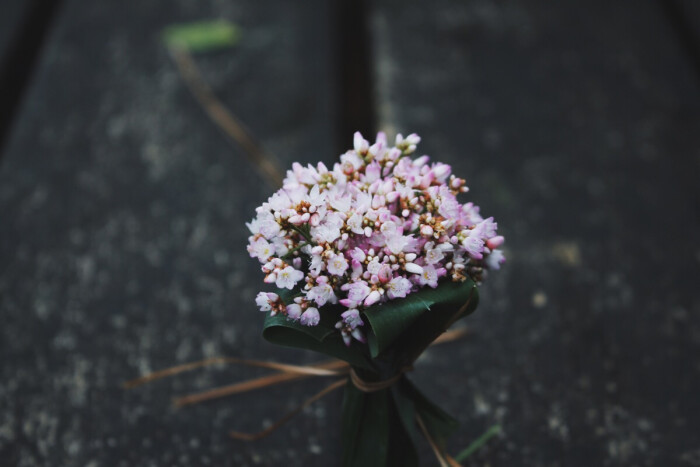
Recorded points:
(372,261)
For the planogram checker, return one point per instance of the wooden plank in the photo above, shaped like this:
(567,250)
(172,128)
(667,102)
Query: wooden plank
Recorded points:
(576,125)
(17,47)
(122,246)
(11,14)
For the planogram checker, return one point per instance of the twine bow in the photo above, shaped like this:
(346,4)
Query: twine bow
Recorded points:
(286,373)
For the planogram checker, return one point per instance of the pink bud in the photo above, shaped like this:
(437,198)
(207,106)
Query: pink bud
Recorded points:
(357,334)
(427,179)
(392,196)
(495,242)
(441,171)
(347,168)
(421,161)
(361,145)
(385,273)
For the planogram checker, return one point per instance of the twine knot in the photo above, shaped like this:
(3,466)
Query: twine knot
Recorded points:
(374,386)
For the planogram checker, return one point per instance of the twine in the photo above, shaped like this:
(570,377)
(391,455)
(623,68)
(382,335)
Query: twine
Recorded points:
(374,386)
(286,373)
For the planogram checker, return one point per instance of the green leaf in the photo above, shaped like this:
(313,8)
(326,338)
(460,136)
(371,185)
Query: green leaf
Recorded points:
(402,448)
(405,408)
(391,320)
(439,423)
(318,332)
(366,428)
(406,434)
(322,338)
(353,410)
(201,36)
(478,443)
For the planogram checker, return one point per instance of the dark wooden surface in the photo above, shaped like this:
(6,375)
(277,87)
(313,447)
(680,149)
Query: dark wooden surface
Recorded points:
(576,124)
(122,245)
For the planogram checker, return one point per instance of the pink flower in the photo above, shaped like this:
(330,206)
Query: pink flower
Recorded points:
(474,246)
(357,292)
(376,226)
(352,318)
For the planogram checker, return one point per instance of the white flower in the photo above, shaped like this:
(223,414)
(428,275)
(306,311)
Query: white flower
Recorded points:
(397,243)
(398,287)
(429,276)
(264,299)
(261,249)
(321,294)
(354,223)
(337,264)
(288,277)
(495,259)
(433,255)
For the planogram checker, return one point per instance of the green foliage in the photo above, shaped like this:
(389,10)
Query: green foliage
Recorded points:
(379,428)
(391,321)
(322,338)
(201,36)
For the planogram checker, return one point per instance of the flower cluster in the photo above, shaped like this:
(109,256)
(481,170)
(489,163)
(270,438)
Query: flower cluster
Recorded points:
(378,226)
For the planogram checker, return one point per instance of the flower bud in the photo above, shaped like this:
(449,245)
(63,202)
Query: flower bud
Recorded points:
(495,242)
(293,311)
(310,317)
(413,268)
(372,298)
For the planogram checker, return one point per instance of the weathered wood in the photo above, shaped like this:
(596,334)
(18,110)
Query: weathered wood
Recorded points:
(576,125)
(15,55)
(122,239)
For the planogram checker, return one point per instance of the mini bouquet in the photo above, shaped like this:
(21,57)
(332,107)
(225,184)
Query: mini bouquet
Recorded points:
(372,261)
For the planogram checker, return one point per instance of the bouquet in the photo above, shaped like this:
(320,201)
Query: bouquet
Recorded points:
(371,261)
